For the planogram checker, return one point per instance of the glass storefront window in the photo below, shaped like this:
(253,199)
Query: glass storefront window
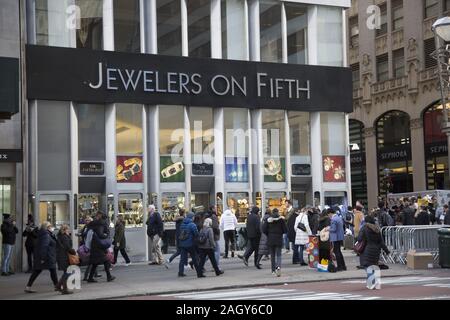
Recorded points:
(234,30)
(236,144)
(171,143)
(127,26)
(129,129)
(199,25)
(91,132)
(130,206)
(274,145)
(238,203)
(7,196)
(300,140)
(297,23)
(200,202)
(219,203)
(329,33)
(169,27)
(332,125)
(276,200)
(90,29)
(54,209)
(51,27)
(202,134)
(270,31)
(171,203)
(393,129)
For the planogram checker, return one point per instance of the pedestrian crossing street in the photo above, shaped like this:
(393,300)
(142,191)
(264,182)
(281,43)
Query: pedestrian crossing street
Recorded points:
(266,294)
(437,282)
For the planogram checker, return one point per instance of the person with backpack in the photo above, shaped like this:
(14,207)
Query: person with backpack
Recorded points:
(206,246)
(186,238)
(31,233)
(99,245)
(85,245)
(313,219)
(274,228)
(302,233)
(228,223)
(155,229)
(384,218)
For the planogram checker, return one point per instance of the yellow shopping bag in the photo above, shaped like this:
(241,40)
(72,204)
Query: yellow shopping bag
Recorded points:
(324,262)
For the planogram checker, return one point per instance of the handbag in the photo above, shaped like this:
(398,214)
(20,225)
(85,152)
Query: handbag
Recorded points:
(301,225)
(73,259)
(359,247)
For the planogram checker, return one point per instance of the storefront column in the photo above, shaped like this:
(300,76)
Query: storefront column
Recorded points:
(184,29)
(348,169)
(256,156)
(418,156)
(253,13)
(187,158)
(74,171)
(287,143)
(216,30)
(149,38)
(110,151)
(219,154)
(108,25)
(371,167)
(316,158)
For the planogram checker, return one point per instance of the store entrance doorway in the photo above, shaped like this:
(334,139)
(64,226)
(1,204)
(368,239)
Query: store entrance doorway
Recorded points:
(298,199)
(200,201)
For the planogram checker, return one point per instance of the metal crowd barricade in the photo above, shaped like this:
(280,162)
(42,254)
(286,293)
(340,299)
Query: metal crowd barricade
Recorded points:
(401,239)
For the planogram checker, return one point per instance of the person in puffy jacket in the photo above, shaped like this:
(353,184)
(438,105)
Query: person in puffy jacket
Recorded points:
(228,223)
(274,228)
(31,233)
(186,242)
(302,236)
(337,238)
(44,256)
(371,235)
(207,248)
(63,249)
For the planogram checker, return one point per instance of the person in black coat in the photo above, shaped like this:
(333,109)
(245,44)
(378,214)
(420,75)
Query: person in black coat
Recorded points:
(63,249)
(291,237)
(274,228)
(178,222)
(9,231)
(44,256)
(324,244)
(371,235)
(447,218)
(254,235)
(119,241)
(407,215)
(313,219)
(31,234)
(98,253)
(423,218)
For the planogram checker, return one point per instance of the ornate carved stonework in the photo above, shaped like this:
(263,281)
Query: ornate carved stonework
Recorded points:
(369,132)
(366,62)
(416,123)
(412,48)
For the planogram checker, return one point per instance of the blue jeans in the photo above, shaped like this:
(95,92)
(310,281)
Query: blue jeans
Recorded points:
(184,259)
(286,241)
(295,256)
(7,252)
(217,252)
(301,248)
(275,257)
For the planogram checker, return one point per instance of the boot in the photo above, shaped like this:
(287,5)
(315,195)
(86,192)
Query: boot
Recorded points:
(65,290)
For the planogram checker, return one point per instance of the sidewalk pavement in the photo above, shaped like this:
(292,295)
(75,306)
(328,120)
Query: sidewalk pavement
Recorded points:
(143,279)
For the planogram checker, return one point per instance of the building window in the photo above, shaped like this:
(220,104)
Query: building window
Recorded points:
(90,33)
(270,31)
(358,161)
(129,129)
(50,23)
(297,23)
(332,125)
(431,8)
(169,27)
(91,132)
(201,122)
(436,149)
(354,31)
(234,30)
(199,28)
(383,19)
(127,26)
(274,145)
(397,14)
(382,68)
(394,153)
(355,76)
(399,63)
(299,131)
(329,36)
(446,5)
(429,46)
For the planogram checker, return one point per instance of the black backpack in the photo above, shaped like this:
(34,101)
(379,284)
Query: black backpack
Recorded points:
(202,237)
(184,235)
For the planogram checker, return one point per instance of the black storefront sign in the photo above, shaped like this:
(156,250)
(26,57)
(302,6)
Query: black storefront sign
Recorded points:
(202,169)
(436,149)
(9,86)
(301,169)
(392,154)
(92,76)
(92,168)
(11,155)
(357,159)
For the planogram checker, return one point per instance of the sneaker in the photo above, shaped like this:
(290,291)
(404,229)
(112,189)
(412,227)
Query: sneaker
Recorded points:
(58,288)
(127,264)
(273,273)
(111,279)
(278,272)
(168,261)
(303,264)
(240,256)
(166,265)
(98,276)
(153,263)
(29,290)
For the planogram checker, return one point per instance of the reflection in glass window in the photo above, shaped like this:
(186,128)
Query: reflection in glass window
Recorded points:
(236,129)
(51,23)
(270,31)
(238,203)
(199,25)
(127,26)
(91,132)
(332,125)
(129,129)
(299,137)
(393,129)
(202,136)
(234,30)
(171,129)
(54,209)
(131,208)
(297,22)
(169,27)
(90,30)
(274,145)
(329,34)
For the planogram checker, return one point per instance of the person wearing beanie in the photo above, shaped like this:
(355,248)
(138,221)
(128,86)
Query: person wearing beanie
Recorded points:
(254,236)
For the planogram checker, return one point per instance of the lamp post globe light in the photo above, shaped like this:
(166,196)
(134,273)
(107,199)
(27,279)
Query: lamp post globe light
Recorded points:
(441,31)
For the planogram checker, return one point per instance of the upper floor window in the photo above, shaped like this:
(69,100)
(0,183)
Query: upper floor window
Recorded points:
(383,26)
(354,31)
(355,76)
(127,26)
(397,14)
(431,8)
(169,27)
(382,68)
(429,47)
(446,5)
(270,31)
(399,63)
(199,28)
(297,22)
